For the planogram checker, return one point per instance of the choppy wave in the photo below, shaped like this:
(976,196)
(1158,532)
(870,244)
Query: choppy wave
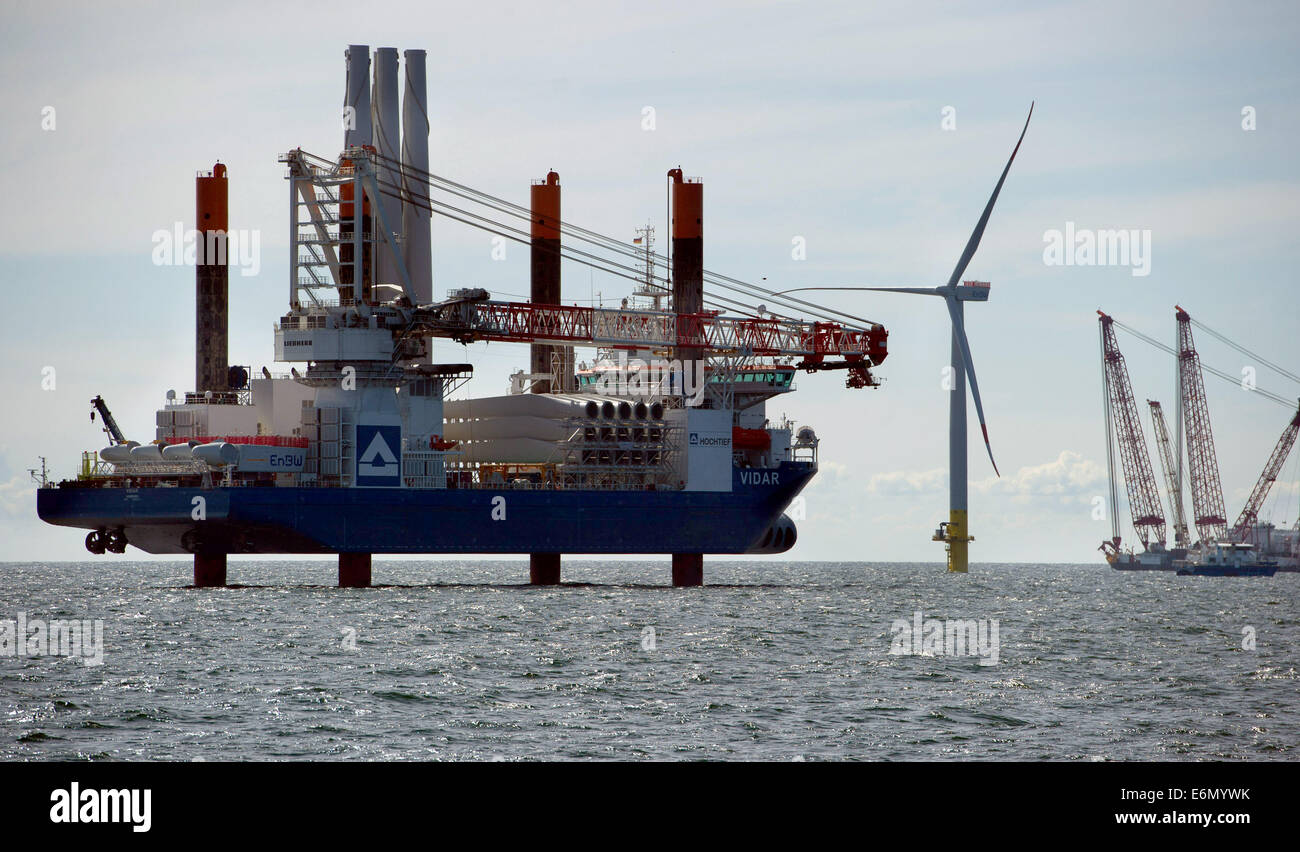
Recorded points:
(771,661)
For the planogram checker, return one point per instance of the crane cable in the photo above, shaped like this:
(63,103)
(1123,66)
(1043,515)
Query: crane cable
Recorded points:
(613,244)
(517,235)
(1269,395)
(1285,504)
(1243,350)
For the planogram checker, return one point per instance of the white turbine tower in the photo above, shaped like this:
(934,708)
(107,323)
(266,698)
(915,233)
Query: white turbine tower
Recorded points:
(955,532)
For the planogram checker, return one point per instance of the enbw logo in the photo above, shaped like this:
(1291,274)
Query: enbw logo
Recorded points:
(378,464)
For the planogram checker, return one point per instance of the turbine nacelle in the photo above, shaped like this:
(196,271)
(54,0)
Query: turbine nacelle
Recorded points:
(972,291)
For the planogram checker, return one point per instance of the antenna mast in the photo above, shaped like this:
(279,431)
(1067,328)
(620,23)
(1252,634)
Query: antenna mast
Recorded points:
(646,288)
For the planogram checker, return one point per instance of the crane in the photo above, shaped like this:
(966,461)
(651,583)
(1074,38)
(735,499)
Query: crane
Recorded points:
(110,425)
(469,315)
(1125,429)
(1241,530)
(1207,488)
(1207,494)
(1173,474)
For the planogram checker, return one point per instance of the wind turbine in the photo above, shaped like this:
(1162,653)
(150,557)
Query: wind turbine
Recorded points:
(955,532)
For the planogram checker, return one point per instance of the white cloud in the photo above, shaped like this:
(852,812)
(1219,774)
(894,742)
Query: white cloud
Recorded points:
(18,497)
(900,483)
(1066,481)
(1069,475)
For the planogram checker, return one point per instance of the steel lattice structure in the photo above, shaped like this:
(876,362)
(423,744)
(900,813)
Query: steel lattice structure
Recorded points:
(1173,485)
(1211,517)
(1139,478)
(1250,512)
(808,343)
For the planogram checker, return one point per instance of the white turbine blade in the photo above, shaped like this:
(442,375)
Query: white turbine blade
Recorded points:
(978,233)
(922,291)
(960,331)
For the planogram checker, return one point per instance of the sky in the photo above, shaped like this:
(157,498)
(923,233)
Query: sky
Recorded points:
(872,132)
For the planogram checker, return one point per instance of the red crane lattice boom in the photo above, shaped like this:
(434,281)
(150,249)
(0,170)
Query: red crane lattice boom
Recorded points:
(1173,486)
(1250,512)
(1211,517)
(811,344)
(1139,478)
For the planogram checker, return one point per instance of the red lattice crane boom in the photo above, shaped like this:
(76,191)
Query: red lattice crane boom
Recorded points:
(1173,487)
(1122,416)
(1211,517)
(811,345)
(1250,512)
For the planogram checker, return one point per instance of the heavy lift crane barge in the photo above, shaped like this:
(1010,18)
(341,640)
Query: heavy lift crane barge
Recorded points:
(1123,428)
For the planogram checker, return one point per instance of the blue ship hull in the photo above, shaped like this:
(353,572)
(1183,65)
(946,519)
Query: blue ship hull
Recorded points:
(1262,569)
(406,520)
